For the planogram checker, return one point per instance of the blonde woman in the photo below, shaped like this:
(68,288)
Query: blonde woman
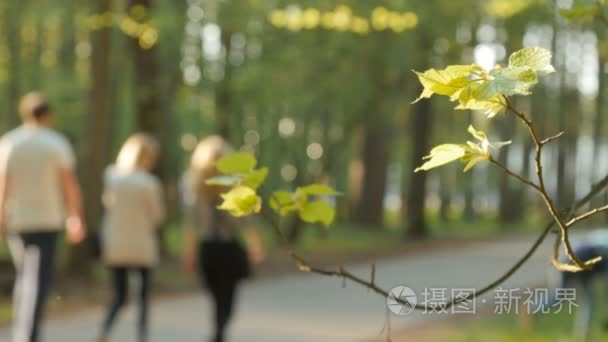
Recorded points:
(212,235)
(134,209)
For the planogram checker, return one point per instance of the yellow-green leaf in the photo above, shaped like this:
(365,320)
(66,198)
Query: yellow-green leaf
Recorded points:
(255,178)
(241,201)
(490,107)
(239,162)
(283,202)
(484,145)
(318,212)
(470,154)
(317,190)
(479,135)
(441,155)
(449,81)
(474,161)
(538,59)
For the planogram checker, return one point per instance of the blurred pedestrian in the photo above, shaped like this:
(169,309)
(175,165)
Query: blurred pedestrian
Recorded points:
(38,190)
(589,246)
(212,236)
(134,210)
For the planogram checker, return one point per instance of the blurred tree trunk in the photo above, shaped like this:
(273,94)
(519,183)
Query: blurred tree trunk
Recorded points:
(510,193)
(370,208)
(566,157)
(148,110)
(420,125)
(445,197)
(14,66)
(446,181)
(149,114)
(508,203)
(95,149)
(598,124)
(224,99)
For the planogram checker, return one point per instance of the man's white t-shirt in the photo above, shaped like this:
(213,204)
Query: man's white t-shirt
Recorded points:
(32,158)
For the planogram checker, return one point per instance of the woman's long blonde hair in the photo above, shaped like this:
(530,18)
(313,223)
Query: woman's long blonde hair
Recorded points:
(202,166)
(140,151)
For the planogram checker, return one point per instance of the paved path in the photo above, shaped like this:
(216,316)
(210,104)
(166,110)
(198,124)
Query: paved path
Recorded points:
(304,307)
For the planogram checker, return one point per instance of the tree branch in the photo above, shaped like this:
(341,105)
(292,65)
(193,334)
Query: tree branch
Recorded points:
(586,215)
(578,264)
(551,138)
(304,266)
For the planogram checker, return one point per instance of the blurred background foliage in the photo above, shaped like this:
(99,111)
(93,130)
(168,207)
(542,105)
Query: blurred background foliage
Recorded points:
(320,91)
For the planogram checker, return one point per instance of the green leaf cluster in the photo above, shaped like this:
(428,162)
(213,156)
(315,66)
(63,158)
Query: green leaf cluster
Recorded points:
(239,169)
(470,154)
(304,201)
(477,89)
(239,173)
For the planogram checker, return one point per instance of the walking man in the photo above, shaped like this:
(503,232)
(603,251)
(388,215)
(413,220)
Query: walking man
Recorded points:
(39,196)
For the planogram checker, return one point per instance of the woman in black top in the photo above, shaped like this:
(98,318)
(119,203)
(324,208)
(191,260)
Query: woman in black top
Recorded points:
(212,236)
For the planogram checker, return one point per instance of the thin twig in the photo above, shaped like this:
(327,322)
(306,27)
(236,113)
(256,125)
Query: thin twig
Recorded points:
(586,215)
(551,138)
(512,174)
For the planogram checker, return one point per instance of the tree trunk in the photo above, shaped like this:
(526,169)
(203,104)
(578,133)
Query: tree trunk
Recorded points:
(14,48)
(445,197)
(421,135)
(370,207)
(224,91)
(469,191)
(95,149)
(508,208)
(149,114)
(598,124)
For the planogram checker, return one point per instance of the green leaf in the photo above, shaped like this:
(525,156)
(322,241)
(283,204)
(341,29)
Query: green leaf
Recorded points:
(474,161)
(318,212)
(476,89)
(491,107)
(471,154)
(483,148)
(538,59)
(442,155)
(508,81)
(449,81)
(283,202)
(317,190)
(241,201)
(255,178)
(239,162)
(580,12)
(224,180)
(479,135)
